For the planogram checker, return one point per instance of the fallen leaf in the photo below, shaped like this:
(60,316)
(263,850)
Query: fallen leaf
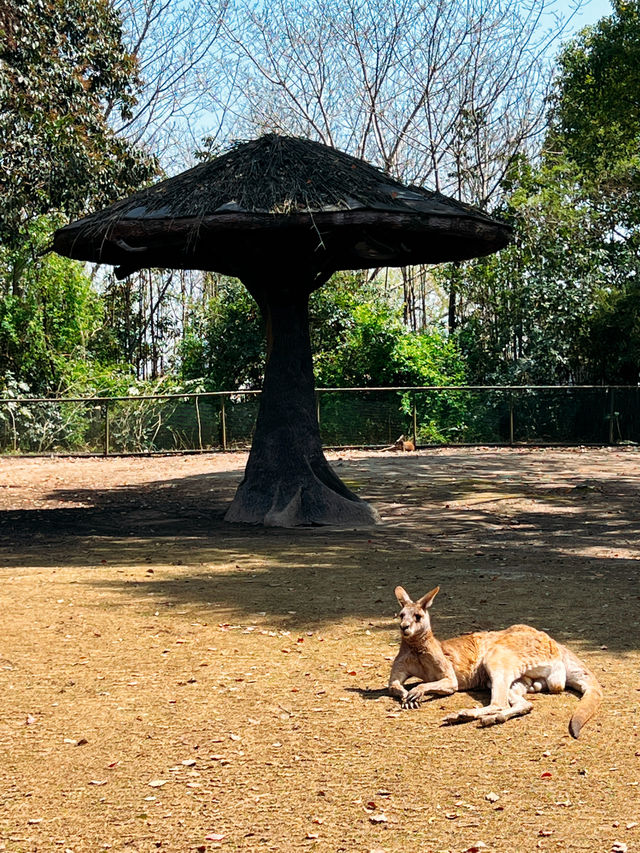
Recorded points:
(98,782)
(378,818)
(545,833)
(619,847)
(476,848)
(545,775)
(158,783)
(30,720)
(214,836)
(312,835)
(492,797)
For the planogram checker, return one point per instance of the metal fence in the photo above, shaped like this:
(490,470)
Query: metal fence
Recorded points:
(348,417)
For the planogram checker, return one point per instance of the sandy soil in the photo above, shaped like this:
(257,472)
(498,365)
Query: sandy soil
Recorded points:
(173,683)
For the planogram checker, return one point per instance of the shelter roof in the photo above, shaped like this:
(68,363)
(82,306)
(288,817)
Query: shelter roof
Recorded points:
(350,214)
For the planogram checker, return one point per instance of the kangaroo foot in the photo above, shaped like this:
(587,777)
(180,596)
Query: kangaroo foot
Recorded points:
(517,710)
(467,715)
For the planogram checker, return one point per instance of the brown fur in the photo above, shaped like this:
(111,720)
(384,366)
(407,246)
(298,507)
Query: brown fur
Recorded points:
(511,663)
(403,443)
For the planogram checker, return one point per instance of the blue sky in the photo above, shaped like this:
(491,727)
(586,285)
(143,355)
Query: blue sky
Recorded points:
(592,12)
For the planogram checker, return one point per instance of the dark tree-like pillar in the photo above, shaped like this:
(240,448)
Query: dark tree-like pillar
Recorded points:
(288,482)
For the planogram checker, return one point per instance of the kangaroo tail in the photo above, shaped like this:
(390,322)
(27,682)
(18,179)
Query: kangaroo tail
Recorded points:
(580,678)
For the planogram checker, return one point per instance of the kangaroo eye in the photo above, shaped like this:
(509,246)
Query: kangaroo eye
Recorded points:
(418,617)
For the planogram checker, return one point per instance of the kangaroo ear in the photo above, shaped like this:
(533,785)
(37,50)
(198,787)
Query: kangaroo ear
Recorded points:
(402,596)
(427,600)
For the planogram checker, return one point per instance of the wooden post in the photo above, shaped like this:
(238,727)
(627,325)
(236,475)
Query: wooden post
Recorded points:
(611,414)
(107,428)
(511,431)
(224,425)
(415,423)
(199,421)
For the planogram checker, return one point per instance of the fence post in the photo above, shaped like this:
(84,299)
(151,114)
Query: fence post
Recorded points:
(197,398)
(107,428)
(511,431)
(415,422)
(611,414)
(223,421)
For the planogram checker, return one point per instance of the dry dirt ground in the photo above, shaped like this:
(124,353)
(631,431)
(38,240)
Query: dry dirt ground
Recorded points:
(170,682)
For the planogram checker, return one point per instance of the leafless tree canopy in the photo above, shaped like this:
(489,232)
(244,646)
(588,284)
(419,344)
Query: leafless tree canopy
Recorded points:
(442,93)
(177,44)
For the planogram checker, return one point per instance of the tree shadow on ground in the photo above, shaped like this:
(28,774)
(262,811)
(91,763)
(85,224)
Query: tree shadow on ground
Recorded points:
(312,593)
(509,539)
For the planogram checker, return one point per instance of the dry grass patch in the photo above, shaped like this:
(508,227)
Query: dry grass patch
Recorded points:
(173,683)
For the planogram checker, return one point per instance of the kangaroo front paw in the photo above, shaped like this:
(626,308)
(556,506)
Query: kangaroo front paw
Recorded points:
(412,700)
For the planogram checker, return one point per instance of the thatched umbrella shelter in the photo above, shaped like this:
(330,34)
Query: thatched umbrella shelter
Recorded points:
(283,214)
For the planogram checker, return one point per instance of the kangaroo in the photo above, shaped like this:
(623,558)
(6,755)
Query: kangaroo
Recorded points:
(511,663)
(403,443)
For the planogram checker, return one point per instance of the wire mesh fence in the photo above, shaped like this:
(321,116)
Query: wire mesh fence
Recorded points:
(348,417)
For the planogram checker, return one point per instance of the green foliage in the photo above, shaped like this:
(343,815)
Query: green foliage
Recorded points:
(49,313)
(595,108)
(357,339)
(63,70)
(612,338)
(223,345)
(595,121)
(528,310)
(377,350)
(561,304)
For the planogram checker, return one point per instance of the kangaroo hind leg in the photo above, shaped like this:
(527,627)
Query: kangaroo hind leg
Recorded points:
(518,706)
(498,705)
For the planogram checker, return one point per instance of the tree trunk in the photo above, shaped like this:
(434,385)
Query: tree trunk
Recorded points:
(288,482)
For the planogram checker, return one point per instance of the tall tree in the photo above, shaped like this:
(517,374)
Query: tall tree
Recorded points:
(63,70)
(183,75)
(523,314)
(443,94)
(595,115)
(595,124)
(440,93)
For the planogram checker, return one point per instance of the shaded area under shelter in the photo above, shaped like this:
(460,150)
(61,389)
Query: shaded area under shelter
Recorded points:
(283,214)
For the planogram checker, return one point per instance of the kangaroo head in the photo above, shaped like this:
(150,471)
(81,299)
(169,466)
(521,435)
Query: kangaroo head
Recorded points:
(414,616)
